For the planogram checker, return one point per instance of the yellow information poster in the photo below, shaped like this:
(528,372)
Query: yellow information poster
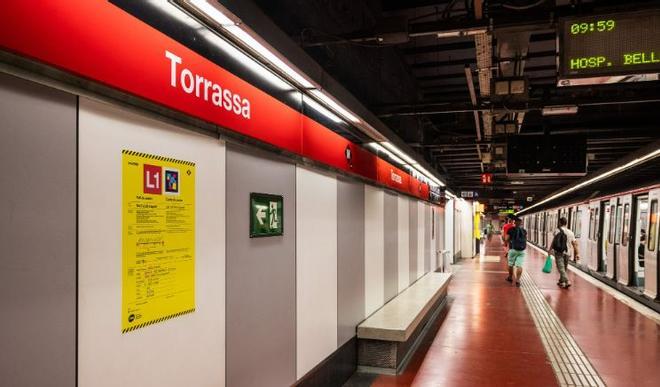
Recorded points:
(158,239)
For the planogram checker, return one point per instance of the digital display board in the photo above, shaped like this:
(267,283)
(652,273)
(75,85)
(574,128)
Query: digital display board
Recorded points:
(546,155)
(622,47)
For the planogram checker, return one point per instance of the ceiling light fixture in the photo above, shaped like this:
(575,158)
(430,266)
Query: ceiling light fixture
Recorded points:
(319,108)
(378,148)
(462,32)
(398,152)
(211,10)
(594,179)
(559,110)
(328,100)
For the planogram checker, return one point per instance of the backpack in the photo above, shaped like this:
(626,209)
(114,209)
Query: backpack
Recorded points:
(560,242)
(518,239)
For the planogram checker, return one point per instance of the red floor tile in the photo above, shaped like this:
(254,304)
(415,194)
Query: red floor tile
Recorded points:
(621,344)
(486,338)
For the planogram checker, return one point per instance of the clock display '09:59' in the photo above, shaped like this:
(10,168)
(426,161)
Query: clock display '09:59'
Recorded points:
(596,26)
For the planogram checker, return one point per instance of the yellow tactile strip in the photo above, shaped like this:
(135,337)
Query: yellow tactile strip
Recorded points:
(569,363)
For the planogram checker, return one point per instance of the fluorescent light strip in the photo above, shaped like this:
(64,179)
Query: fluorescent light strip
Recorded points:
(398,152)
(256,67)
(428,174)
(215,14)
(595,179)
(176,13)
(316,106)
(334,105)
(212,12)
(377,147)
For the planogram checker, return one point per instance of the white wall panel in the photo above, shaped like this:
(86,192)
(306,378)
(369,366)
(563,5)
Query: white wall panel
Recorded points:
(185,351)
(433,248)
(421,235)
(467,237)
(449,228)
(316,268)
(439,235)
(374,245)
(431,237)
(404,244)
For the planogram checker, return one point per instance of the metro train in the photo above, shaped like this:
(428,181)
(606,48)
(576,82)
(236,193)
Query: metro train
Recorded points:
(617,237)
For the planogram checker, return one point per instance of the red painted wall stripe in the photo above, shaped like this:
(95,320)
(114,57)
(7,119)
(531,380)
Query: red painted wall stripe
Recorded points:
(98,41)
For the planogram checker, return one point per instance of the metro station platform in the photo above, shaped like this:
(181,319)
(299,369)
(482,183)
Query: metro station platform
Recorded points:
(488,336)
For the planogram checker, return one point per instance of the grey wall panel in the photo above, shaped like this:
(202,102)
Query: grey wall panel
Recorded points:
(427,238)
(350,259)
(38,235)
(413,240)
(391,228)
(261,276)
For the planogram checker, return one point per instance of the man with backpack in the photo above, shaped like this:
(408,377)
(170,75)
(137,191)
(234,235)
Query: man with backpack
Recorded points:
(516,236)
(508,223)
(563,238)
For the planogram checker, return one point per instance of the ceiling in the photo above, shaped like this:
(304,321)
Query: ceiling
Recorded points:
(389,55)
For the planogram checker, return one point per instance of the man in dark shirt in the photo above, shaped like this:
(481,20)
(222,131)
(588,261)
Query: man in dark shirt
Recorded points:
(516,237)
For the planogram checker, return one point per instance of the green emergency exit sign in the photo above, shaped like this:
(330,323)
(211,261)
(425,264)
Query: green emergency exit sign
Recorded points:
(266,215)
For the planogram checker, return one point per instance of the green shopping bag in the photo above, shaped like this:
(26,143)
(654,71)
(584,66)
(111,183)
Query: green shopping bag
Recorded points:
(547,268)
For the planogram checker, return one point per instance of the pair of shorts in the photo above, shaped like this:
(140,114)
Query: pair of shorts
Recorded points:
(516,257)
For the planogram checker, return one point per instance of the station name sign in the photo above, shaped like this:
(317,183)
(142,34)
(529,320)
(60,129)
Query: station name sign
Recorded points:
(204,88)
(621,47)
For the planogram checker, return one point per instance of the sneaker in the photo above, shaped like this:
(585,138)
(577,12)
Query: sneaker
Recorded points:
(517,284)
(509,279)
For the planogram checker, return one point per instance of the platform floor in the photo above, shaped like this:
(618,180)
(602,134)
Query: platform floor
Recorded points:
(487,335)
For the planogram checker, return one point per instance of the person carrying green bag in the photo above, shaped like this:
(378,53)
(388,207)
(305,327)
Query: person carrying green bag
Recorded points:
(562,241)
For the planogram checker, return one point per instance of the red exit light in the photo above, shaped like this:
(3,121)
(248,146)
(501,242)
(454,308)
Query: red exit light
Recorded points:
(486,178)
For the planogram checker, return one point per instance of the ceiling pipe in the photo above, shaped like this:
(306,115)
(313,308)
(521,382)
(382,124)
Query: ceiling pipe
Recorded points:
(473,98)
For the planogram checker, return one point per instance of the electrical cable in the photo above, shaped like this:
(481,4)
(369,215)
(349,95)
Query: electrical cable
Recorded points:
(523,7)
(340,39)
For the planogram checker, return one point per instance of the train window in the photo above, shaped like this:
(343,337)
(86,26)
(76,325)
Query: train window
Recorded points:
(626,225)
(596,223)
(573,222)
(591,224)
(578,224)
(653,226)
(610,237)
(619,219)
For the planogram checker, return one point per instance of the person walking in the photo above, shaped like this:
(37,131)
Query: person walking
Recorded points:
(517,239)
(508,223)
(562,239)
(489,230)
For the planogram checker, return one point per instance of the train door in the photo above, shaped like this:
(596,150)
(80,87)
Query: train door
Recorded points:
(542,230)
(651,253)
(607,209)
(640,240)
(536,227)
(594,219)
(623,237)
(610,243)
(582,223)
(550,227)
